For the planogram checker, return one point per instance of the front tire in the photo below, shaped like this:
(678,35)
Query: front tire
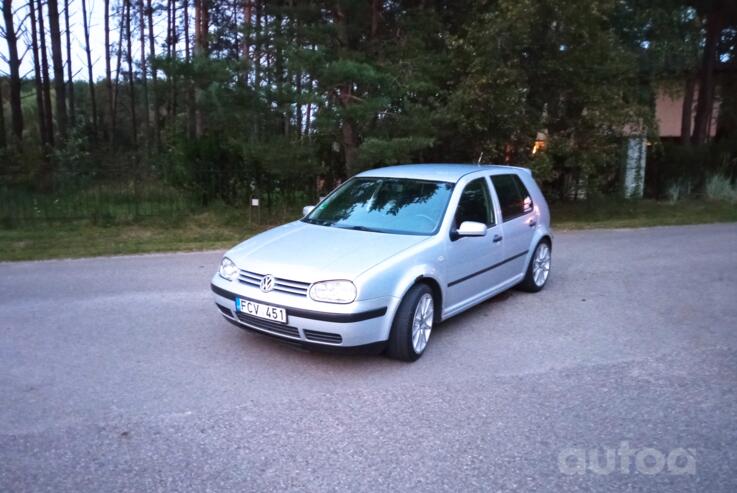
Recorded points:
(412,324)
(538,270)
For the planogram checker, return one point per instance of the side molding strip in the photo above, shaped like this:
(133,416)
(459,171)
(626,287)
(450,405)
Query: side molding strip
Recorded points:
(487,269)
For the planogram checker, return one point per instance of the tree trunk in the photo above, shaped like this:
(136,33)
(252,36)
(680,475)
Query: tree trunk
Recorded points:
(298,108)
(236,38)
(43,131)
(3,143)
(144,76)
(185,14)
(131,83)
(705,102)
(154,73)
(308,113)
(168,29)
(375,11)
(202,23)
(58,63)
(174,33)
(687,111)
(350,146)
(90,79)
(295,39)
(174,76)
(345,98)
(280,76)
(169,34)
(48,112)
(109,75)
(191,116)
(116,83)
(70,75)
(247,15)
(257,47)
(16,110)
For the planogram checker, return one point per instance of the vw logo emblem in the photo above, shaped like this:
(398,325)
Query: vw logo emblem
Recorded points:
(267,283)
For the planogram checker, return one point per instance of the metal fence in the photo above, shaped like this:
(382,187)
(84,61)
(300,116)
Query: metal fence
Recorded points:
(128,200)
(104,202)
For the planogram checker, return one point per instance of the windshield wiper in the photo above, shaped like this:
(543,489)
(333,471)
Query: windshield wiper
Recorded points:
(318,222)
(361,228)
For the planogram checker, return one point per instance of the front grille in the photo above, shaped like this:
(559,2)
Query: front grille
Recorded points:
(225,311)
(269,326)
(298,288)
(314,335)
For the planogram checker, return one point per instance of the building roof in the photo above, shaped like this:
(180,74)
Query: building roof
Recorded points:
(448,172)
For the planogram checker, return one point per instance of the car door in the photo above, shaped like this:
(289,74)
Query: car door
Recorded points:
(471,258)
(517,222)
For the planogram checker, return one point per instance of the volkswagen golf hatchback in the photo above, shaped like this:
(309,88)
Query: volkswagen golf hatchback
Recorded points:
(388,255)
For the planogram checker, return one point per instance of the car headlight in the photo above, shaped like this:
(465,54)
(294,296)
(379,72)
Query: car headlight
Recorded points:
(228,269)
(333,291)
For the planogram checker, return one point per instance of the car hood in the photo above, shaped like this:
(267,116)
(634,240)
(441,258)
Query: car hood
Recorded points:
(308,253)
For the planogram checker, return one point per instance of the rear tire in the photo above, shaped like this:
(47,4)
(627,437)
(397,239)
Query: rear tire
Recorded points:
(538,269)
(412,324)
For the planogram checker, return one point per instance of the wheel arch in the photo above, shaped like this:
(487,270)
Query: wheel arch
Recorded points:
(547,238)
(540,235)
(437,293)
(422,276)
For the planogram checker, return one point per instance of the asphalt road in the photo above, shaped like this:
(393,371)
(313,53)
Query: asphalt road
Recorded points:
(119,374)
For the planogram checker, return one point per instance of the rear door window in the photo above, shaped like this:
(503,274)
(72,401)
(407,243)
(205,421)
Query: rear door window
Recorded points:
(514,199)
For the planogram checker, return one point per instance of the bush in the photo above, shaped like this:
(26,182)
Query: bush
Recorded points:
(679,190)
(719,187)
(672,163)
(674,193)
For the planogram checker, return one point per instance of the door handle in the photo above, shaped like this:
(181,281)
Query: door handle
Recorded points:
(497,238)
(532,223)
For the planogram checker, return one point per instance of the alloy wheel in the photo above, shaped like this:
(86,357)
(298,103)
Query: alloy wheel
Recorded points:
(541,264)
(422,323)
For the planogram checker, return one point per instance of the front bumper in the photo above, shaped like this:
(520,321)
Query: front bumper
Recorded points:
(361,323)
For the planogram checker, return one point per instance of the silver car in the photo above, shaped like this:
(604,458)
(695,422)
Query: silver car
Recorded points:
(388,255)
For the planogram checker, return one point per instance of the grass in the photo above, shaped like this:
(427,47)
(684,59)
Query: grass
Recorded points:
(639,214)
(83,238)
(221,228)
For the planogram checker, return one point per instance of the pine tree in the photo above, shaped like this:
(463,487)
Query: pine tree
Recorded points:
(11,37)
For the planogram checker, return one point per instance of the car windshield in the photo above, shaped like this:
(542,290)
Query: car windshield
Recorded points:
(385,205)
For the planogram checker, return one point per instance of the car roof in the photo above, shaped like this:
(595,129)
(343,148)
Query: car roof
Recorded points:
(448,172)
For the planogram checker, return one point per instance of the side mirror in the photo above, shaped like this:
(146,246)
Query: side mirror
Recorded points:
(307,209)
(471,228)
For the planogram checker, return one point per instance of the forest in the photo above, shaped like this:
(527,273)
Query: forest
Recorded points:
(189,103)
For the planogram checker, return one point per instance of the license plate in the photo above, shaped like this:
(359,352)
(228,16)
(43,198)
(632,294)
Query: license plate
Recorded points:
(267,312)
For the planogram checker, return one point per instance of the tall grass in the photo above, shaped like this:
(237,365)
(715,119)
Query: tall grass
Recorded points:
(720,187)
(679,190)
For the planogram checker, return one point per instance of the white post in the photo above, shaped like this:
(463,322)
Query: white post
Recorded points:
(634,171)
